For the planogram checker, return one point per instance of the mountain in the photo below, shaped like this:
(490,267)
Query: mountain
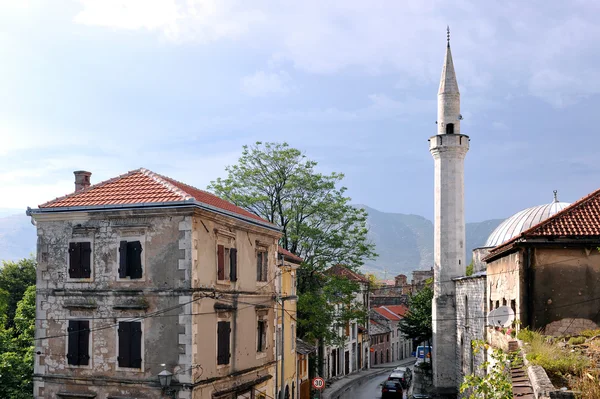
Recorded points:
(17,235)
(405,242)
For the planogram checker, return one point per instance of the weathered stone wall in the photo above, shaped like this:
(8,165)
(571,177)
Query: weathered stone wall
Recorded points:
(506,285)
(471,313)
(478,254)
(105,299)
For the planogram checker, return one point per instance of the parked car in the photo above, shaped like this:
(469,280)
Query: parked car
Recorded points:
(399,377)
(391,389)
(408,375)
(420,396)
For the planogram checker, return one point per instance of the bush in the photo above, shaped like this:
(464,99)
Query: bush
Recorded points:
(553,359)
(526,336)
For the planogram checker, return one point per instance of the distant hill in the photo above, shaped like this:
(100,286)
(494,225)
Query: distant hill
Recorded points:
(405,242)
(17,235)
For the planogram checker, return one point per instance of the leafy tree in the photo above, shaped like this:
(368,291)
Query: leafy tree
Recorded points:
(417,323)
(16,350)
(279,184)
(493,381)
(15,277)
(469,270)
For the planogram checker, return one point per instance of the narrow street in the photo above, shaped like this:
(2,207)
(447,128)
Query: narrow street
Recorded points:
(370,389)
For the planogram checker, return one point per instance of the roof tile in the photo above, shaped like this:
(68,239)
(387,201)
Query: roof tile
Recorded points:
(142,186)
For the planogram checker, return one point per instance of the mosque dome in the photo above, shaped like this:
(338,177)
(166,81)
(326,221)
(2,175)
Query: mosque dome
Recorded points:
(523,220)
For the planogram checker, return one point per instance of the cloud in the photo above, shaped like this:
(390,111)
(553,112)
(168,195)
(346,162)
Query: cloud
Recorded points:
(496,45)
(264,83)
(179,21)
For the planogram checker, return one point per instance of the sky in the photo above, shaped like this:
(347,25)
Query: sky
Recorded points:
(179,86)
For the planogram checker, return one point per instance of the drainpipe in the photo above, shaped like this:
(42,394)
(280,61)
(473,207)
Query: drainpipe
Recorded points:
(282,392)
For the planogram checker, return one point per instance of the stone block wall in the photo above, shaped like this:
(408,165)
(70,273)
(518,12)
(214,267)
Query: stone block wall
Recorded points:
(470,318)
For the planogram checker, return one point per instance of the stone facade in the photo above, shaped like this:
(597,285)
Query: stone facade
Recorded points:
(471,314)
(178,301)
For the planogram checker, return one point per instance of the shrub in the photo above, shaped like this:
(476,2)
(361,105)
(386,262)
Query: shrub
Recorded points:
(526,336)
(555,360)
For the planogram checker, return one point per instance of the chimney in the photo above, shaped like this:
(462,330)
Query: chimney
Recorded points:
(82,179)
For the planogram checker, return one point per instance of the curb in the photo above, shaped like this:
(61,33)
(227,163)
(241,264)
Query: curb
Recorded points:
(358,381)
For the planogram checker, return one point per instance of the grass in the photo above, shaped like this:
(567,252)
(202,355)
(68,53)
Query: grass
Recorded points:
(561,362)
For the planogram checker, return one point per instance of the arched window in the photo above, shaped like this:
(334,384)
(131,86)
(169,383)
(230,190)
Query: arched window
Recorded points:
(387,356)
(449,128)
(287,392)
(466,311)
(293,390)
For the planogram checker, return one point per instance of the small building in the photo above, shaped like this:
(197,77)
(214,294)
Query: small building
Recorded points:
(303,352)
(344,359)
(401,347)
(285,315)
(142,274)
(379,336)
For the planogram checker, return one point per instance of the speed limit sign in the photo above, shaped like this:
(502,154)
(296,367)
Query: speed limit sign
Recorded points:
(318,383)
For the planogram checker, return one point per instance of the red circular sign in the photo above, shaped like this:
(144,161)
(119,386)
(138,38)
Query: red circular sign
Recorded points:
(318,383)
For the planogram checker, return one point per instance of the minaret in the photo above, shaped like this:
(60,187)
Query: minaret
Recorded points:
(448,149)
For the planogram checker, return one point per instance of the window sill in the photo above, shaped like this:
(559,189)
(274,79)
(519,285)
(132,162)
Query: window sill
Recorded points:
(76,395)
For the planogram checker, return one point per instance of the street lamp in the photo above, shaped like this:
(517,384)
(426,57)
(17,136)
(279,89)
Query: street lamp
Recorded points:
(165,377)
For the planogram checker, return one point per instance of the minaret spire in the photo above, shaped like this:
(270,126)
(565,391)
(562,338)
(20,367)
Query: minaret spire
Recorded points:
(448,96)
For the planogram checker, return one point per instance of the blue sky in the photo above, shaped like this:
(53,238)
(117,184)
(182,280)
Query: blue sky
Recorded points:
(178,86)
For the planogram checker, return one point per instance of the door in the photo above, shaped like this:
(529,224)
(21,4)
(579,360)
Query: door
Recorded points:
(346,362)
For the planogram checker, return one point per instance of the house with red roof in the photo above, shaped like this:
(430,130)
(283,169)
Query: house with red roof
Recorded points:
(141,275)
(400,347)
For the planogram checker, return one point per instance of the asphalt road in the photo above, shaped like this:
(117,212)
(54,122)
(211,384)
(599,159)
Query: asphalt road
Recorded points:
(370,389)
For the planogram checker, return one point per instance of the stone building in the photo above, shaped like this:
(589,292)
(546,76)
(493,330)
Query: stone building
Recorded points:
(140,274)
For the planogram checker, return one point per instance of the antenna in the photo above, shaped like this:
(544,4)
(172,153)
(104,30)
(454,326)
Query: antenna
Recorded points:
(501,317)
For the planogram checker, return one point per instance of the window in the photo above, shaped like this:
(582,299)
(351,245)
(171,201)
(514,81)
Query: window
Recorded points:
(450,128)
(79,342)
(226,263)
(261,335)
(262,265)
(293,284)
(80,254)
(223,342)
(293,327)
(130,259)
(130,344)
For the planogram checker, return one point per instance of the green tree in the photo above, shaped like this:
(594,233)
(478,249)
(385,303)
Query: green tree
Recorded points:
(15,277)
(279,184)
(492,381)
(16,350)
(417,323)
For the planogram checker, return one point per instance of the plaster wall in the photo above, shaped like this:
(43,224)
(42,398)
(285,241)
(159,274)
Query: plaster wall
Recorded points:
(506,283)
(566,283)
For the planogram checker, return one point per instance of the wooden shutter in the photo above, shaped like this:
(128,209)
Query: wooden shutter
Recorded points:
(85,259)
(123,272)
(259,266)
(233,264)
(124,357)
(136,344)
(134,259)
(84,342)
(220,262)
(223,332)
(73,337)
(74,260)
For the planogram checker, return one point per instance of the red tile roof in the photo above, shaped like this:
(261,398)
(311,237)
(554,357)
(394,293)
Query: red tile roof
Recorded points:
(290,256)
(142,186)
(579,220)
(392,312)
(343,271)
